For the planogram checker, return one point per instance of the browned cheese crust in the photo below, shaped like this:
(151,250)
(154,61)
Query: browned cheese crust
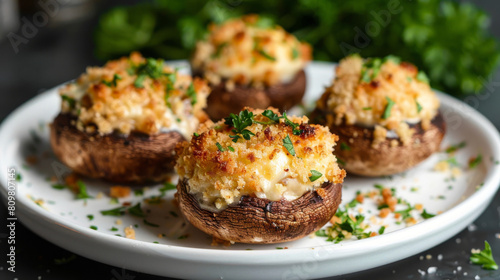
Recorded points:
(222,101)
(134,158)
(256,220)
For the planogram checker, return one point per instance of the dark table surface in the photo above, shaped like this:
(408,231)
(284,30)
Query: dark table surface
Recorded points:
(60,52)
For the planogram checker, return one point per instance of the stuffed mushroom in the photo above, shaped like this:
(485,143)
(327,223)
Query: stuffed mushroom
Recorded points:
(259,177)
(252,62)
(385,114)
(121,122)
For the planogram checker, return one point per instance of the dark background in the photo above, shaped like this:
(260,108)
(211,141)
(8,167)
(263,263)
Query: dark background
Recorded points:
(60,52)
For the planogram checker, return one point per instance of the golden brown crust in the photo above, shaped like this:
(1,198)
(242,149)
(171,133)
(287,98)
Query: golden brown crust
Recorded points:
(256,220)
(221,102)
(390,156)
(135,158)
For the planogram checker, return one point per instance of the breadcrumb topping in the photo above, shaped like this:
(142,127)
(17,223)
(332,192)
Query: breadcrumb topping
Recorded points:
(220,171)
(380,92)
(135,94)
(250,50)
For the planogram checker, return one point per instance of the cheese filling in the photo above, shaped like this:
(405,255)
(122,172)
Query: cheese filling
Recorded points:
(135,95)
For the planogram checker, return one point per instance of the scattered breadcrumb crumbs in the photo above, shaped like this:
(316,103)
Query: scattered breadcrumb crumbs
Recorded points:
(384,212)
(118,221)
(456,172)
(419,206)
(216,242)
(428,256)
(119,191)
(99,195)
(72,181)
(129,232)
(442,166)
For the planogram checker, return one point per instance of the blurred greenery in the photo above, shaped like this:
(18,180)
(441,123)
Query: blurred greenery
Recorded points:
(448,40)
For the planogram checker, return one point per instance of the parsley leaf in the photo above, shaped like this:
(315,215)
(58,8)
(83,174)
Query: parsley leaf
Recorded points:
(240,122)
(426,215)
(388,107)
(456,147)
(113,83)
(82,191)
(138,83)
(71,101)
(344,147)
(119,211)
(475,161)
(192,94)
(287,142)
(149,223)
(315,175)
(136,210)
(419,107)
(266,55)
(484,258)
(219,146)
(421,76)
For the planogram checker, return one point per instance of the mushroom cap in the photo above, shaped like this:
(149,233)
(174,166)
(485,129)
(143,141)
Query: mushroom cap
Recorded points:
(385,158)
(221,101)
(135,158)
(258,220)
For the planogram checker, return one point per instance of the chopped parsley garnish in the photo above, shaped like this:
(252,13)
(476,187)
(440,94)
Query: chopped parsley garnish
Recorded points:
(114,200)
(192,94)
(264,22)
(71,101)
(149,223)
(240,122)
(484,258)
(93,227)
(19,177)
(367,108)
(58,187)
(139,192)
(454,148)
(426,215)
(388,107)
(315,175)
(138,83)
(473,162)
(218,50)
(196,134)
(152,68)
(136,210)
(266,55)
(287,142)
(452,161)
(184,236)
(352,204)
(405,213)
(279,248)
(381,230)
(271,115)
(295,53)
(174,214)
(344,147)
(166,187)
(370,69)
(230,148)
(119,211)
(276,119)
(419,107)
(113,229)
(347,224)
(219,146)
(113,83)
(321,233)
(82,191)
(90,217)
(421,76)
(294,126)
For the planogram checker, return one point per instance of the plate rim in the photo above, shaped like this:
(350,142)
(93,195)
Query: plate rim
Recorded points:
(478,201)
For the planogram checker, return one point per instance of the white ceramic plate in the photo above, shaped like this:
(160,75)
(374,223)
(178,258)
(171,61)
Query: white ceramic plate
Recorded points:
(184,252)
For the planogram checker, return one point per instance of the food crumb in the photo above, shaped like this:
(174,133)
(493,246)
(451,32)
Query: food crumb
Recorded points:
(477,277)
(31,159)
(475,251)
(428,257)
(442,166)
(472,227)
(421,272)
(440,257)
(119,191)
(432,270)
(465,273)
(421,258)
(99,195)
(458,240)
(459,268)
(118,221)
(216,242)
(129,232)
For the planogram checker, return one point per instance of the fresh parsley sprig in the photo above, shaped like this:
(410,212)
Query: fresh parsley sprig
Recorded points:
(484,258)
(240,122)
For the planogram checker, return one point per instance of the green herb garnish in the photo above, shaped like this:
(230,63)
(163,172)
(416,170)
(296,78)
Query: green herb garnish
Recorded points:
(230,148)
(421,76)
(484,258)
(266,55)
(367,108)
(240,122)
(315,175)
(295,53)
(426,215)
(454,148)
(381,230)
(388,107)
(113,83)
(136,210)
(93,227)
(58,187)
(287,142)
(344,147)
(71,101)
(196,134)
(219,146)
(113,229)
(138,83)
(90,217)
(166,187)
(218,50)
(475,161)
(419,107)
(119,211)
(192,94)
(82,191)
